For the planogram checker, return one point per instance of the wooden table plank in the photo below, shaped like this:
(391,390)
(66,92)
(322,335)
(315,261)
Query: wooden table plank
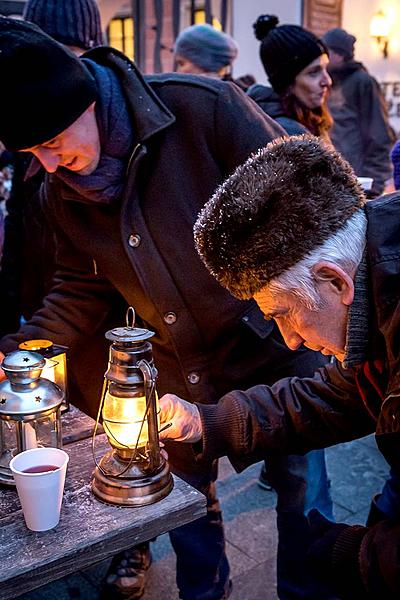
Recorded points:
(76,425)
(89,530)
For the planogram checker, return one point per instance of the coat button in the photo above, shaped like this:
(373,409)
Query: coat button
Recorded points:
(193,378)
(170,318)
(134,240)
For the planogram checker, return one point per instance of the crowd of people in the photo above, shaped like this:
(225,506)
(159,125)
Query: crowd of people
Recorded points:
(109,179)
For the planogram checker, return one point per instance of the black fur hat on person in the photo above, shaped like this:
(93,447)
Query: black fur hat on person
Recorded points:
(283,202)
(70,22)
(285,50)
(46,87)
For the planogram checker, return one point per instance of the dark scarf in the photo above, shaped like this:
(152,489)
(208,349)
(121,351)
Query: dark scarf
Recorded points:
(106,183)
(356,349)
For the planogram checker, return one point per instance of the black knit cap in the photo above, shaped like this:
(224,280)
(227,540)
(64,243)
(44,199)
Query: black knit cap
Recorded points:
(70,22)
(285,50)
(47,87)
(282,203)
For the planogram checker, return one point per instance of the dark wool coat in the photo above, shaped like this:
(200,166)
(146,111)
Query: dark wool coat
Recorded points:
(336,405)
(361,131)
(191,133)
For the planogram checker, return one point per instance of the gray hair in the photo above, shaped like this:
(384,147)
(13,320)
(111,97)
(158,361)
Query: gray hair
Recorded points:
(345,249)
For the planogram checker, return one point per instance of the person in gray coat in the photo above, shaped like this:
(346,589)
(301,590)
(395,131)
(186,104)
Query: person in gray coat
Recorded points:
(361,131)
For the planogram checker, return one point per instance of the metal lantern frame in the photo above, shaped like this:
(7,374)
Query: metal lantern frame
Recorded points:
(55,368)
(30,406)
(134,474)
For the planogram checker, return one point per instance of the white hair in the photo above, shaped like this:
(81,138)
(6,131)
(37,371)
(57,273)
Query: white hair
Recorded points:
(345,249)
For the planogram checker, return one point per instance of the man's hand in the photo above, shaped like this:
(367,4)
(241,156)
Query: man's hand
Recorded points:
(184,418)
(2,374)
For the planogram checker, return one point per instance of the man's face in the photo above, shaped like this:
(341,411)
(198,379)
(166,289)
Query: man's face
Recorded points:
(322,330)
(184,65)
(335,59)
(77,148)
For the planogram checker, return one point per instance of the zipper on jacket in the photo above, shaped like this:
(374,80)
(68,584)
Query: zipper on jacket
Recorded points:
(134,152)
(95,267)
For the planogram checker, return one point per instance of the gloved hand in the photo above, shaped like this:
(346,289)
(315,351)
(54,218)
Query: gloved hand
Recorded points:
(2,374)
(323,535)
(184,417)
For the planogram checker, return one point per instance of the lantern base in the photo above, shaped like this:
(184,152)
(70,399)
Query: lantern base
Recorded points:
(138,491)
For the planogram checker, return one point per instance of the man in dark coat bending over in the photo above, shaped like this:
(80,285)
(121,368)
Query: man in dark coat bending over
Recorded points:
(291,229)
(130,163)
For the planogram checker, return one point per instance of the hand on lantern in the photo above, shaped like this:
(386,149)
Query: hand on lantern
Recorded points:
(184,418)
(2,374)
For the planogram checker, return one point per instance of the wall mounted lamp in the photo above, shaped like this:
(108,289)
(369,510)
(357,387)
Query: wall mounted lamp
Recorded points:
(379,30)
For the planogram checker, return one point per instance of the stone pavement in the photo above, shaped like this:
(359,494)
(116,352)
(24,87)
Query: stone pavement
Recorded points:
(357,471)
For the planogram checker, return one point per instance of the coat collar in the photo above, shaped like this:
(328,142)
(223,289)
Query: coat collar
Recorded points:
(149,115)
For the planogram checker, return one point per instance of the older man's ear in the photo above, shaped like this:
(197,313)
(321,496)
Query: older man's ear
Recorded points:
(179,420)
(335,280)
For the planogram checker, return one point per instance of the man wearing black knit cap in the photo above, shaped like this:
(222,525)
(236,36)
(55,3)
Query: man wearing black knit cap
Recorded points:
(361,131)
(292,229)
(127,175)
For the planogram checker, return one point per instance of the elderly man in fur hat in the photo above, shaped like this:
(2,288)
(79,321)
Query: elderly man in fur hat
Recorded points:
(291,229)
(126,176)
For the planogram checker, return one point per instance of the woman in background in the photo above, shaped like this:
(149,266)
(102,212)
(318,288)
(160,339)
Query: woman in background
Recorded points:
(296,62)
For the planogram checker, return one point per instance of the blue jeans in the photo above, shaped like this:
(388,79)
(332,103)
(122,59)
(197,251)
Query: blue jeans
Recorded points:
(301,483)
(388,501)
(202,568)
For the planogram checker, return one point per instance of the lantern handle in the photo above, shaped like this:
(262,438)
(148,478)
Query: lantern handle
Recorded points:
(130,311)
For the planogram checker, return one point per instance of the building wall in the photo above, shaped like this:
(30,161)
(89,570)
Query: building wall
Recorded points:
(244,14)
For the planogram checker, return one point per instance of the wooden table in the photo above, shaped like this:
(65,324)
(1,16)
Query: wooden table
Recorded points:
(89,530)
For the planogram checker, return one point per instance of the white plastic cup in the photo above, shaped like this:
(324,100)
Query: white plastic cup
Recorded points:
(40,493)
(365,182)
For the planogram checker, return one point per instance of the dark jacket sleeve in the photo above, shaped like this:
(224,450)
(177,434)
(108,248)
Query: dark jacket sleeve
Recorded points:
(77,304)
(293,416)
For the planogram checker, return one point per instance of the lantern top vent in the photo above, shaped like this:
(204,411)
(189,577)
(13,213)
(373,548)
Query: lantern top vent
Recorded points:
(22,360)
(129,334)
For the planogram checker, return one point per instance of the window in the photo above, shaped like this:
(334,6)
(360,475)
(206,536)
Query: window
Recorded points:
(120,35)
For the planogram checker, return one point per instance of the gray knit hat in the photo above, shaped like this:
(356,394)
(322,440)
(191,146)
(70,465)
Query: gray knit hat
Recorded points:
(281,204)
(70,22)
(206,47)
(340,41)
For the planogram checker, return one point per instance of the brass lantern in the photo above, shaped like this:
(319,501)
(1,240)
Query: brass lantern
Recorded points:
(55,368)
(133,472)
(30,409)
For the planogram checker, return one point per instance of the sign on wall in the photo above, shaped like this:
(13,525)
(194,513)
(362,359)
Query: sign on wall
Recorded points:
(321,15)
(391,92)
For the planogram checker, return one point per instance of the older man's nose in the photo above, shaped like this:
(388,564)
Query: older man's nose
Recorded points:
(291,338)
(49,159)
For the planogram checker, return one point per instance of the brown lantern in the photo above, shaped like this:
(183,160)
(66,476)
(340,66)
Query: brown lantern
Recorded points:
(133,472)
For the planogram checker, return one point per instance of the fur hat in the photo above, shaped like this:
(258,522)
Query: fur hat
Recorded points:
(70,22)
(282,203)
(340,41)
(285,50)
(206,47)
(47,87)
